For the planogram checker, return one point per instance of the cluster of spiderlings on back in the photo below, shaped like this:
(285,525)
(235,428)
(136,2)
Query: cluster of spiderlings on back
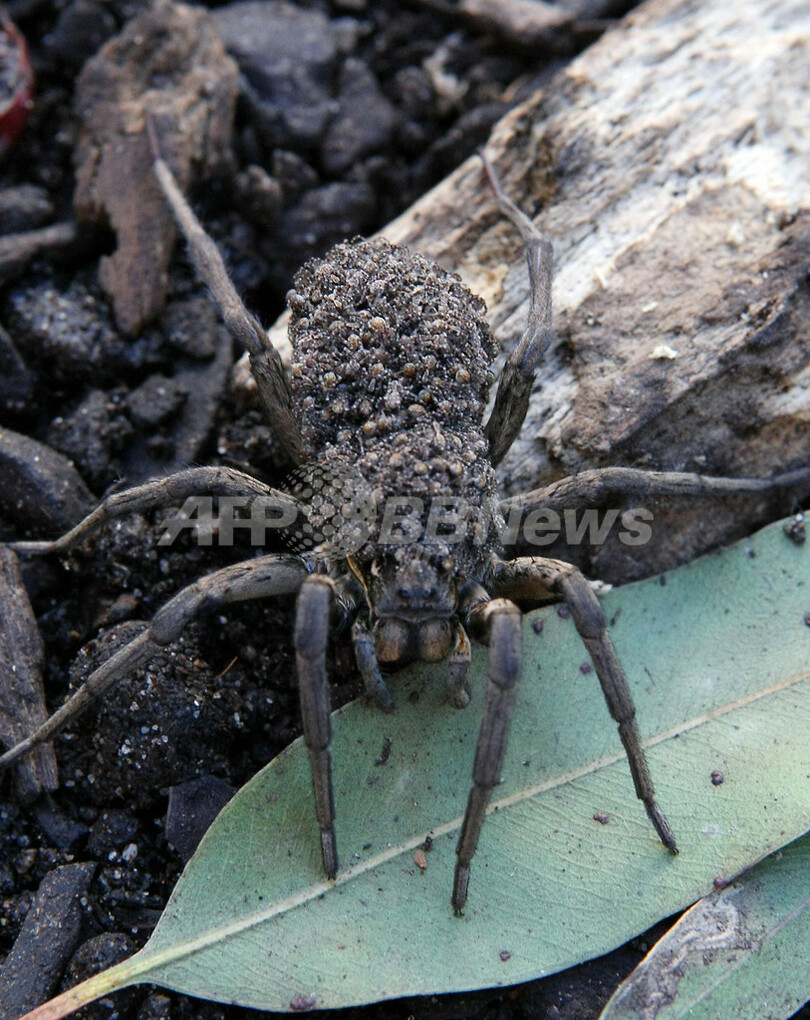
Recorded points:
(382,339)
(390,377)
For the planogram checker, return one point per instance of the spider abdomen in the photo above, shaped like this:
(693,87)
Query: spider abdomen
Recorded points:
(390,372)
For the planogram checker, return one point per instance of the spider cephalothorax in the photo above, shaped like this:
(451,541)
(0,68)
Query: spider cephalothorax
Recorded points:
(413,598)
(395,518)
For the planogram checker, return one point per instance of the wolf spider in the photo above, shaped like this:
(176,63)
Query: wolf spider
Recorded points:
(391,372)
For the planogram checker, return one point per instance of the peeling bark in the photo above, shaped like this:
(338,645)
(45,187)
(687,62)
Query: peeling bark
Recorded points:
(22,694)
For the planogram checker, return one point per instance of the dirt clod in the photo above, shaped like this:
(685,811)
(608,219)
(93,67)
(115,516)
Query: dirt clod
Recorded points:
(50,933)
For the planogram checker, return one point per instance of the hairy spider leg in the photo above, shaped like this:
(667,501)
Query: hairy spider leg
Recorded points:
(515,385)
(274,574)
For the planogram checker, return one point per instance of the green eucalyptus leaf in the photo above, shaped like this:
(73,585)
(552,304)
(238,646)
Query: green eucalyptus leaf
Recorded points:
(717,655)
(743,952)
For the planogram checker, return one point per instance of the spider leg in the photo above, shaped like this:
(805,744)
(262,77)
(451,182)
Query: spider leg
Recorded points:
(365,654)
(503,621)
(589,487)
(536,577)
(458,684)
(266,575)
(265,361)
(213,481)
(514,388)
(311,634)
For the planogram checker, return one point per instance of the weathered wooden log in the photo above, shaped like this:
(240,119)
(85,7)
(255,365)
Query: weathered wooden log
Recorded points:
(669,166)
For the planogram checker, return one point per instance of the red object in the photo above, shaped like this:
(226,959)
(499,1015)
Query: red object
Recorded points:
(16,82)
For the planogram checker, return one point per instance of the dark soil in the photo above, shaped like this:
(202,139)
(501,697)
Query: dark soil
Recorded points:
(142,777)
